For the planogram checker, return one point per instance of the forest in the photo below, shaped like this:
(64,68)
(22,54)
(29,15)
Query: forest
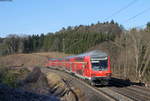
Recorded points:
(129,49)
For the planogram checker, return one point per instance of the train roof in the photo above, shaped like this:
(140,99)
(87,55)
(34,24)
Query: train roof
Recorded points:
(92,54)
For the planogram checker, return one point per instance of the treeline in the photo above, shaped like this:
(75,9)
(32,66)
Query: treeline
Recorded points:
(74,40)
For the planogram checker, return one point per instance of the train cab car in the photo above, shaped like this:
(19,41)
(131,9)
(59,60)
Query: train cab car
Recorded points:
(96,68)
(100,68)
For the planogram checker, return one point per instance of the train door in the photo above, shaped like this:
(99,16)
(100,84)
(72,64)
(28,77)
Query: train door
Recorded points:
(72,65)
(75,67)
(80,69)
(67,65)
(87,69)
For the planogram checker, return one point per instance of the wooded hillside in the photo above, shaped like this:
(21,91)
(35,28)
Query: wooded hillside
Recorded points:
(74,40)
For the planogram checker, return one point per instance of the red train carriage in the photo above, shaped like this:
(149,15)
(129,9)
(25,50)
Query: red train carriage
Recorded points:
(93,66)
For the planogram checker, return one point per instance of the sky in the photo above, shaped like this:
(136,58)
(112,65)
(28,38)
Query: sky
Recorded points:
(43,16)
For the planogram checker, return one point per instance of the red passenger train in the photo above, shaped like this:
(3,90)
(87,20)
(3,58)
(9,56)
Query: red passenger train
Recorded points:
(92,66)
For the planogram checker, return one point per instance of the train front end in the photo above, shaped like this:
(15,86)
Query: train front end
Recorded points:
(100,69)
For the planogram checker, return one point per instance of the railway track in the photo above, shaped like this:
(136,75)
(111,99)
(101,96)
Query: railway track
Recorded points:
(135,93)
(115,95)
(105,93)
(97,95)
(141,88)
(131,94)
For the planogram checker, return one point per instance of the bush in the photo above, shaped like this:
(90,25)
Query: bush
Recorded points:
(10,77)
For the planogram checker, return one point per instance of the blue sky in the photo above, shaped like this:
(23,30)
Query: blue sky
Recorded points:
(42,16)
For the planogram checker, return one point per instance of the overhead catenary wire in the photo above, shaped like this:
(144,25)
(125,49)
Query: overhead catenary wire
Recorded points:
(122,9)
(138,14)
(133,17)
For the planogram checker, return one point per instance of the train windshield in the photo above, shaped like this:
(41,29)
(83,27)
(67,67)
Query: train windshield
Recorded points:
(99,65)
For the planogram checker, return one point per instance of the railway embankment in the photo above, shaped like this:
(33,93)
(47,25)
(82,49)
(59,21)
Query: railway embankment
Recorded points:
(22,85)
(41,86)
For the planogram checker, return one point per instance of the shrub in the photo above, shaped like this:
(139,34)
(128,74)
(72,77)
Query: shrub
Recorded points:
(10,77)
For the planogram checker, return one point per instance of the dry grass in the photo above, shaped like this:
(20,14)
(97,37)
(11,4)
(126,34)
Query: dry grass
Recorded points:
(29,60)
(25,59)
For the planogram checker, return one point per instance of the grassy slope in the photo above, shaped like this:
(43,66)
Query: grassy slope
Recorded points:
(29,60)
